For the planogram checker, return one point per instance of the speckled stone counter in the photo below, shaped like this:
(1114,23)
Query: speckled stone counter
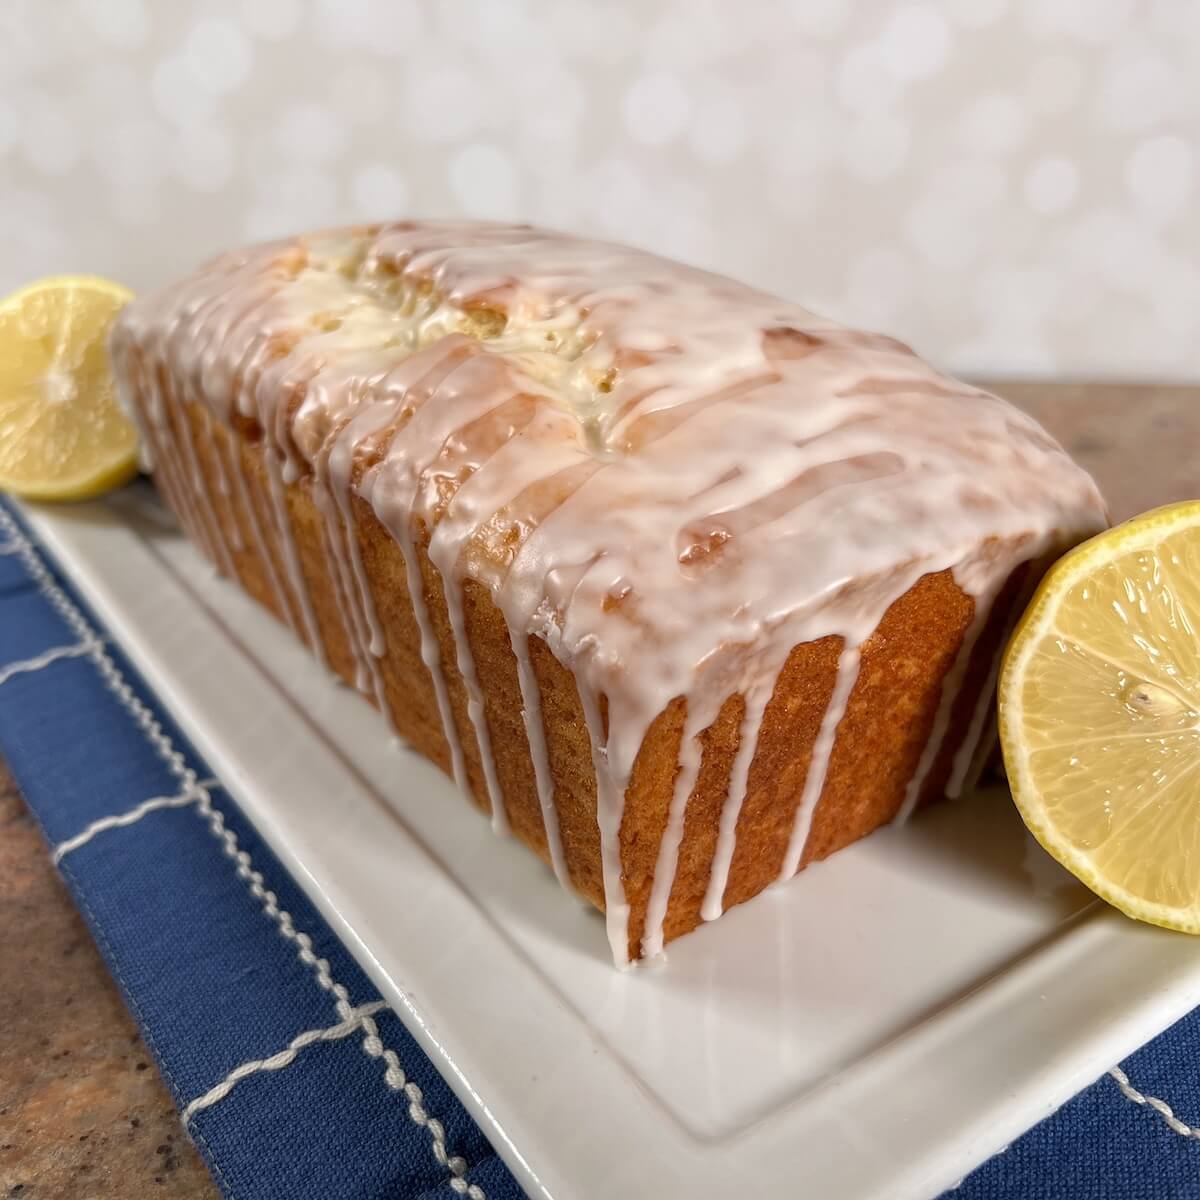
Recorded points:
(83,1113)
(1142,444)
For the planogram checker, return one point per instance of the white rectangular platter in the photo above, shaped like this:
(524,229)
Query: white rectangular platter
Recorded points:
(874,1029)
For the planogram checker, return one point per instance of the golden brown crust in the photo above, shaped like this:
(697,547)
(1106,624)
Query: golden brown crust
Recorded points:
(879,743)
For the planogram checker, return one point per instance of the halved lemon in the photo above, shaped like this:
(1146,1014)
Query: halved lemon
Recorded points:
(1100,715)
(63,435)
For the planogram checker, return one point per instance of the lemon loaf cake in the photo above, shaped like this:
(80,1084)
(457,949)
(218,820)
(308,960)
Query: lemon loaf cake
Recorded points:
(686,586)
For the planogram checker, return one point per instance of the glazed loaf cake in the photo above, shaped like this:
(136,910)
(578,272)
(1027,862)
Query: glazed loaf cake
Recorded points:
(686,586)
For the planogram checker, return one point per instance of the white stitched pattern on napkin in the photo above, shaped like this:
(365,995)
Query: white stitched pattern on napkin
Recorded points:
(331,1033)
(25,666)
(181,800)
(1161,1107)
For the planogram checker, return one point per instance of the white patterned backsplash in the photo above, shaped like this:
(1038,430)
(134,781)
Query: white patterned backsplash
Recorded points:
(1013,186)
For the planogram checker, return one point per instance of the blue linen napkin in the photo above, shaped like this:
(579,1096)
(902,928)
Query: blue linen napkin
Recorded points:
(293,1078)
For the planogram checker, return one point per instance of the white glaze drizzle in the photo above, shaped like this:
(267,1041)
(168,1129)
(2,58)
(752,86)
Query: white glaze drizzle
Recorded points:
(952,684)
(988,739)
(242,491)
(171,468)
(223,489)
(333,468)
(291,554)
(690,756)
(334,554)
(355,601)
(972,752)
(965,754)
(446,547)
(157,456)
(333,540)
(818,767)
(611,782)
(395,495)
(452,590)
(539,753)
(166,481)
(132,391)
(431,654)
(669,478)
(140,398)
(339,467)
(207,510)
(755,702)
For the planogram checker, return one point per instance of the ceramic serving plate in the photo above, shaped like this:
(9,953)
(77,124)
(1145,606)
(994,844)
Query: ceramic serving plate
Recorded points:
(875,1028)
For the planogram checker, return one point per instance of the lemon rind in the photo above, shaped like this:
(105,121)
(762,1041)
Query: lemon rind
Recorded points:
(96,283)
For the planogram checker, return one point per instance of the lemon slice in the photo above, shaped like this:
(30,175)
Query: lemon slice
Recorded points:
(63,435)
(1100,715)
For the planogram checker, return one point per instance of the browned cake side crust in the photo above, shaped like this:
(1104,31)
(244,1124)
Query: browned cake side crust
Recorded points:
(879,741)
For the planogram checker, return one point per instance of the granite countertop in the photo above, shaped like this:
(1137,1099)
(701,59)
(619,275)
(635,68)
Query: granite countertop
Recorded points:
(1141,443)
(84,1114)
